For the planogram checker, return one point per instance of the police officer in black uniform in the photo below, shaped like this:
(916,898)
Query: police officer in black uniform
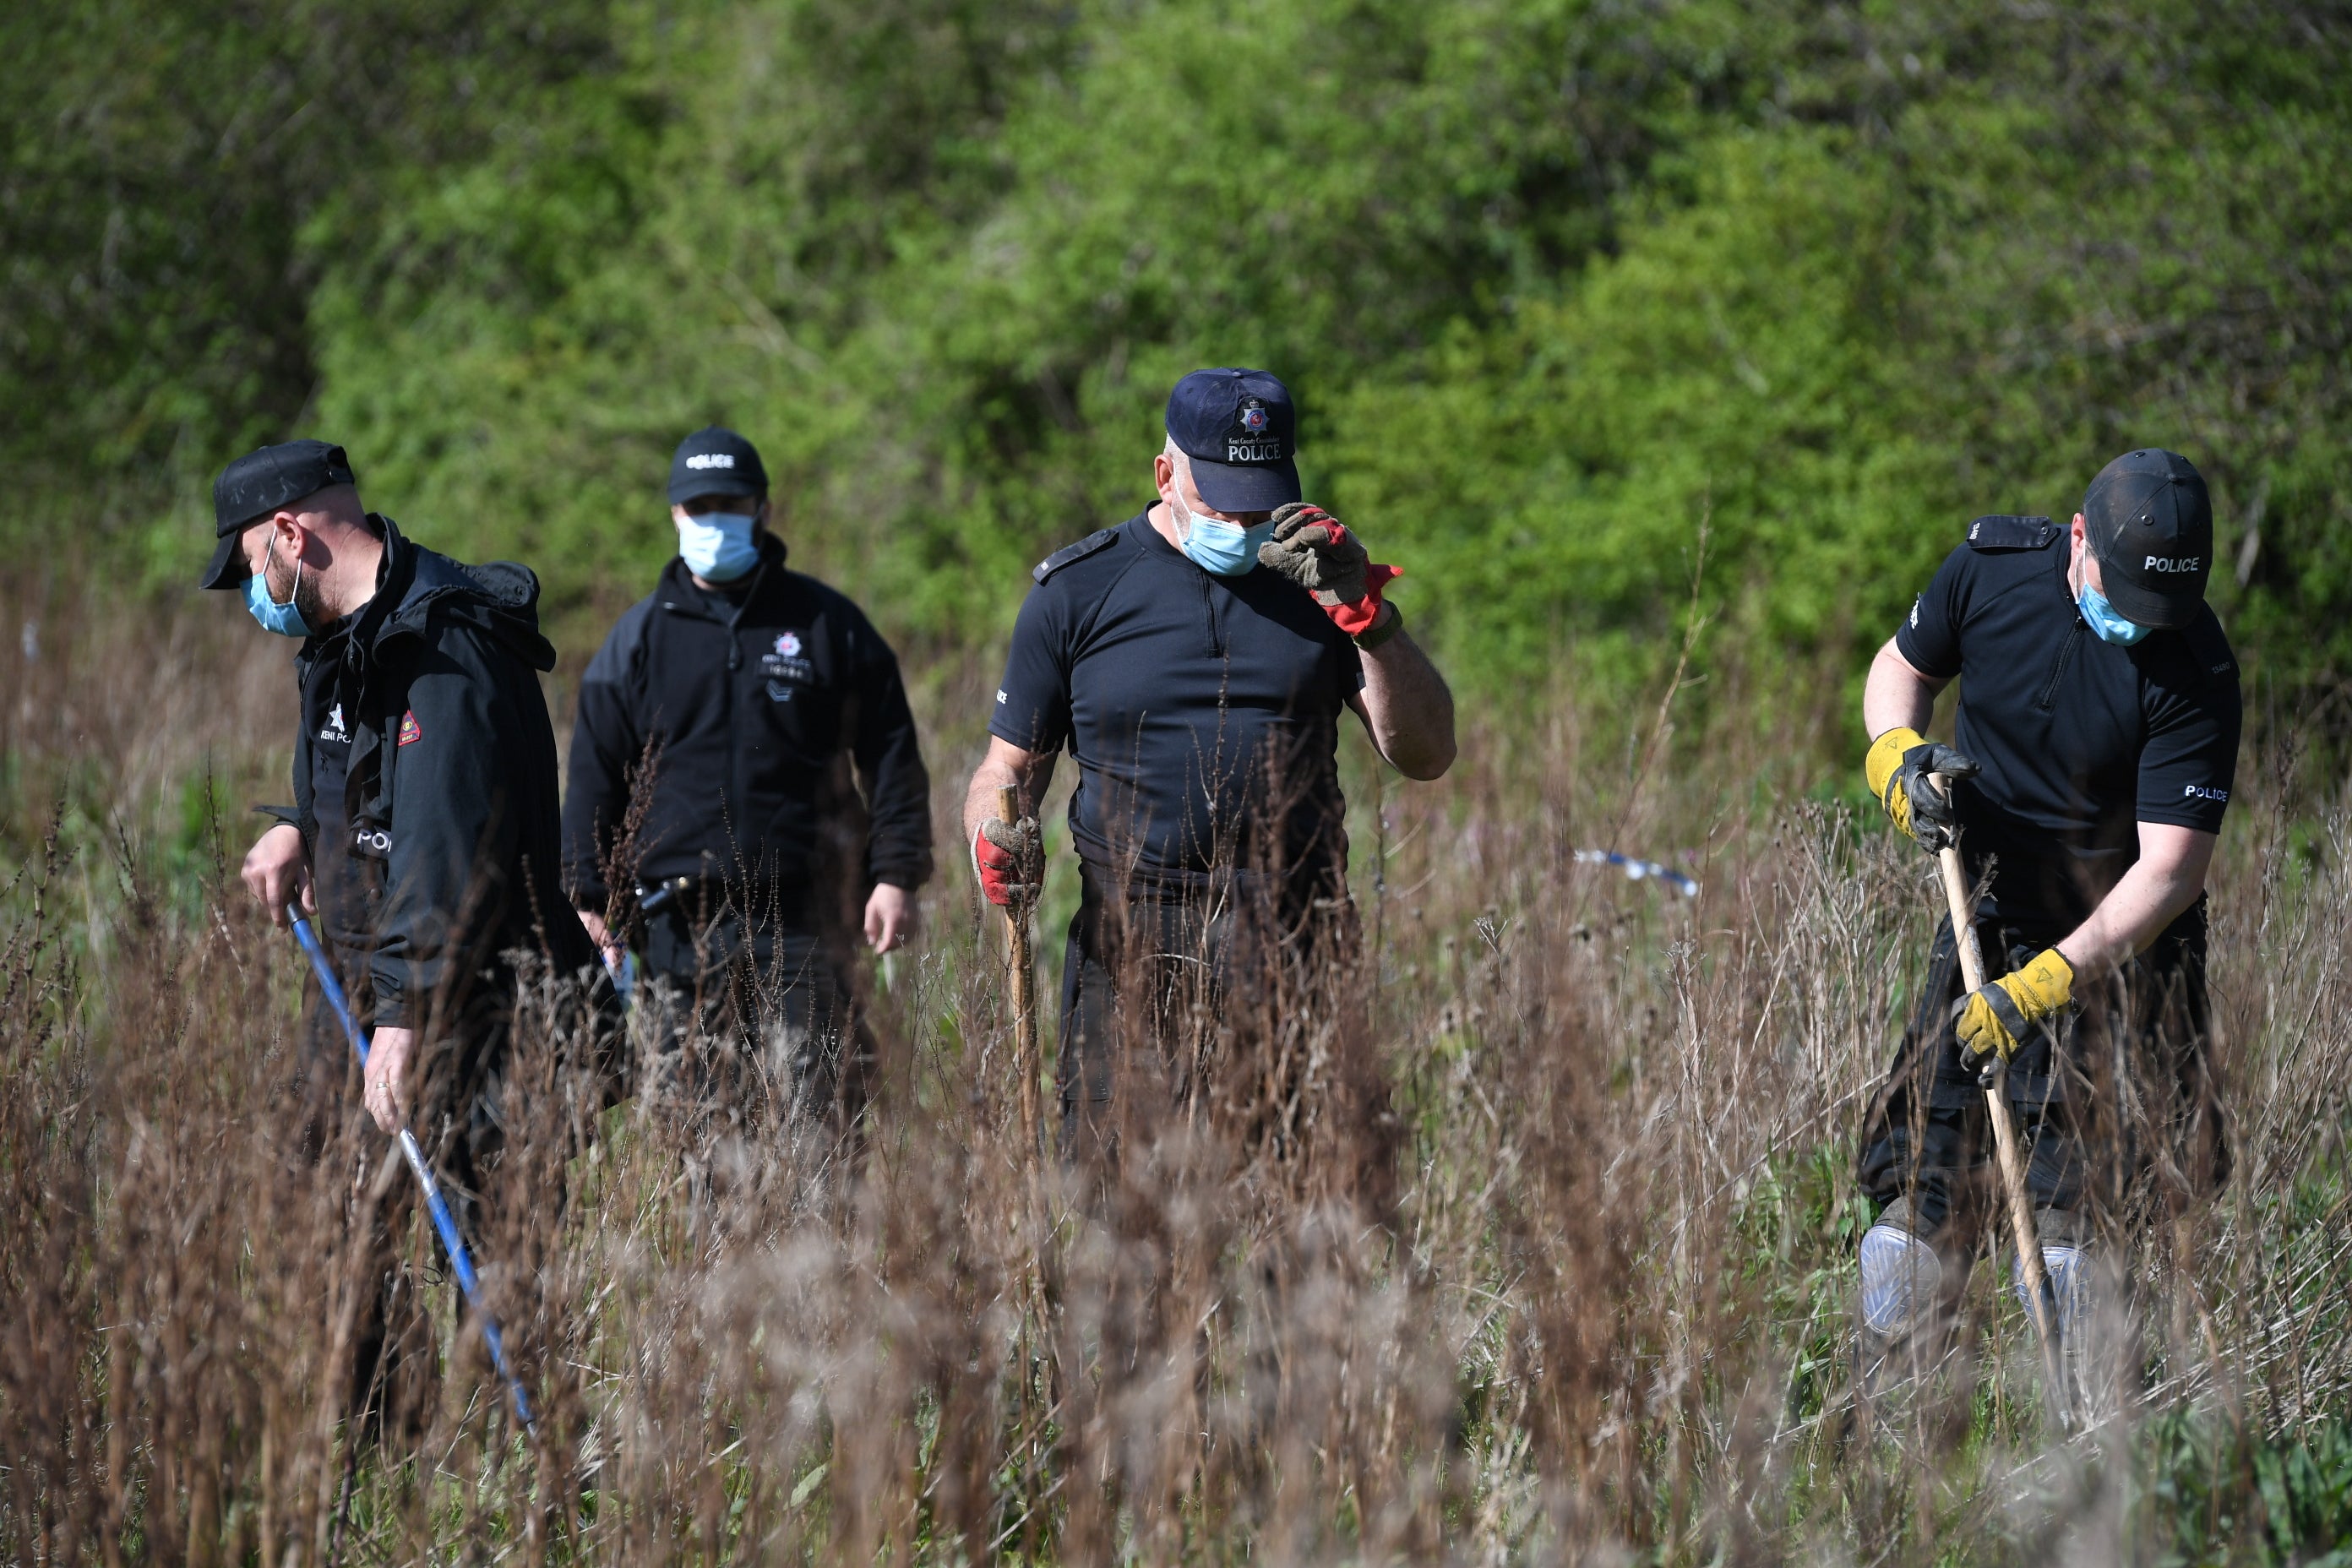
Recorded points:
(1195,660)
(2097,736)
(425,827)
(741,706)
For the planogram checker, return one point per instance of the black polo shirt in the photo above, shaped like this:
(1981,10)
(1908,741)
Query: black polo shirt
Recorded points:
(2080,741)
(1202,710)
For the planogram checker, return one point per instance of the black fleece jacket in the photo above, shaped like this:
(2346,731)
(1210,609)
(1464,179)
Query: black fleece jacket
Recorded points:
(445,851)
(753,712)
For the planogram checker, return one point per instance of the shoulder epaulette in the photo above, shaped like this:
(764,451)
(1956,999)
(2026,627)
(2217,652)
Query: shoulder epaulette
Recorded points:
(2210,646)
(2002,531)
(1093,543)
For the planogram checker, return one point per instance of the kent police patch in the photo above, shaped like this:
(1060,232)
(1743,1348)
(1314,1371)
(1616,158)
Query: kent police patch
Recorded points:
(787,662)
(1251,438)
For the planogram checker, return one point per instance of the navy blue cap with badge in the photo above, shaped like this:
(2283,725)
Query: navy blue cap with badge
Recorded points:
(1240,431)
(254,486)
(2149,520)
(716,462)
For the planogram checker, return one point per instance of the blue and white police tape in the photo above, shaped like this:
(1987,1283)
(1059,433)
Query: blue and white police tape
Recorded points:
(1638,870)
(461,1262)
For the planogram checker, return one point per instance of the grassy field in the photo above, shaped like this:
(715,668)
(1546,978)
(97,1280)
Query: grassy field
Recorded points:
(1550,1259)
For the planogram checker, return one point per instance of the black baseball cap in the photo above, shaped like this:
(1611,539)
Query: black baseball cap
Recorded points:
(716,462)
(258,484)
(1240,430)
(2150,522)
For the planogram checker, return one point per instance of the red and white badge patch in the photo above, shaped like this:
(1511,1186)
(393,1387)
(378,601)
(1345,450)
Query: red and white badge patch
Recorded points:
(410,730)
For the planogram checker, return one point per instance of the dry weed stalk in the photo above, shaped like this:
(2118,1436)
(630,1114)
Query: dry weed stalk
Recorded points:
(1546,1257)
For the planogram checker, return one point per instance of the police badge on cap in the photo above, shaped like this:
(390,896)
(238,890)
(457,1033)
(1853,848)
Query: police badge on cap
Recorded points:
(1240,430)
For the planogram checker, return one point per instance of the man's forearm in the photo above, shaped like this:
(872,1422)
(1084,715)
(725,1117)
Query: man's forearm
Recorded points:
(1027,779)
(889,759)
(2131,917)
(980,800)
(597,791)
(900,836)
(1409,707)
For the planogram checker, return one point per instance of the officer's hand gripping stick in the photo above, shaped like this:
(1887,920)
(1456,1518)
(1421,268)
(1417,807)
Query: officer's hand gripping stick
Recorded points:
(2023,1233)
(460,1261)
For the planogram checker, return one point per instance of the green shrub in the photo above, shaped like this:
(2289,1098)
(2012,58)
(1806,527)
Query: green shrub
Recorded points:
(1556,283)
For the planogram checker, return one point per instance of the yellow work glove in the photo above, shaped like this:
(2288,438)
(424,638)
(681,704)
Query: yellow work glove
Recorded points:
(1995,1019)
(1897,768)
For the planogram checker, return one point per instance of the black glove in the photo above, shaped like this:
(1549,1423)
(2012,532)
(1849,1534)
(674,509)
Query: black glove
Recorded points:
(1897,768)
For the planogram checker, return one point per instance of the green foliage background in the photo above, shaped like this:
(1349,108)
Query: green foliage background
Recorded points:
(1555,280)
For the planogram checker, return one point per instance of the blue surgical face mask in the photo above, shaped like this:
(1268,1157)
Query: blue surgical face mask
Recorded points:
(1227,549)
(718,546)
(2110,627)
(284,619)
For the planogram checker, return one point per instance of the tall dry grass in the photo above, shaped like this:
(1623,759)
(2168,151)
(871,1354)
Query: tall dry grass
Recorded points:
(1578,1289)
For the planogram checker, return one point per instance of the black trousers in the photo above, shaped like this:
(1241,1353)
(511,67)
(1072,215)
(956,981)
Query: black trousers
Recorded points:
(779,994)
(1161,977)
(2116,1105)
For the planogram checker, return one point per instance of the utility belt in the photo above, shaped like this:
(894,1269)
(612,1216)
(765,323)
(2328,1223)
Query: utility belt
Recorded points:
(691,902)
(1202,910)
(654,898)
(1317,882)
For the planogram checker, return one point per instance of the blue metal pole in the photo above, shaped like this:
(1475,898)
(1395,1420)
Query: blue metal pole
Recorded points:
(444,1222)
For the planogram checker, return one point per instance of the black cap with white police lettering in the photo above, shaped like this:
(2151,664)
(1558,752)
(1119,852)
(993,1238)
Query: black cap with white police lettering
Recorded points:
(1242,434)
(2150,522)
(254,486)
(716,462)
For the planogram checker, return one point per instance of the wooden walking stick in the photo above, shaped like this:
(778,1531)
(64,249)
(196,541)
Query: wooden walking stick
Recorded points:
(2041,1304)
(1024,1004)
(1034,1400)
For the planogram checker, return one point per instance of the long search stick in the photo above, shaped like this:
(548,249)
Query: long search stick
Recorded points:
(1025,1067)
(460,1261)
(1024,1004)
(2004,1141)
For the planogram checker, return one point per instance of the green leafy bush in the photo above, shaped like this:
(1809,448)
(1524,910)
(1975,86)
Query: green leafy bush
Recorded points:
(1556,283)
